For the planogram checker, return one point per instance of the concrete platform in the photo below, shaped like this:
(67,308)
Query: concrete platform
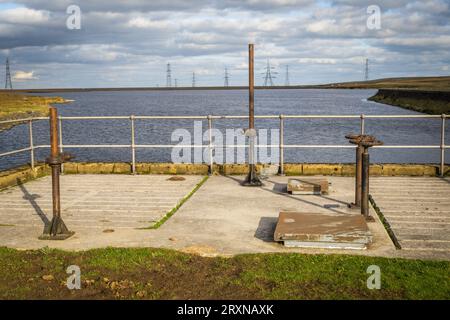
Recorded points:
(221,218)
(320,230)
(98,202)
(417,209)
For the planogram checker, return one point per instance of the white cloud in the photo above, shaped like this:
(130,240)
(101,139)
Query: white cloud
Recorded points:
(317,61)
(24,16)
(24,76)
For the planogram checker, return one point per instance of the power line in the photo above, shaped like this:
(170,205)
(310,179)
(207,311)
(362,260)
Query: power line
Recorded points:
(8,76)
(193,79)
(168,76)
(286,80)
(366,71)
(269,75)
(227,78)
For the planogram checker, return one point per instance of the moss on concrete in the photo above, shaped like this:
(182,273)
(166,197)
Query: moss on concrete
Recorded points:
(25,173)
(22,174)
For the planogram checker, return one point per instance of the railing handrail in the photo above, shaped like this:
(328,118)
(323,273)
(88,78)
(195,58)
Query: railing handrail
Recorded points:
(291,116)
(281,145)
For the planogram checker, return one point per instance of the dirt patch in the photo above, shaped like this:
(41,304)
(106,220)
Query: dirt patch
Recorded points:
(165,274)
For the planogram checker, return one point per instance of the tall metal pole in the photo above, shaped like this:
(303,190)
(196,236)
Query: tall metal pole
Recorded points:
(252,178)
(56,229)
(251,87)
(365,184)
(359,174)
(281,167)
(442,162)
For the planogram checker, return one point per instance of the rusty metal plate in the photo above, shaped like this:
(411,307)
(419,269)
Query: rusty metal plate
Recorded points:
(307,186)
(322,230)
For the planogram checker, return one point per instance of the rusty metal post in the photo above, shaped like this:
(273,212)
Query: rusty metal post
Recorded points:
(358,174)
(211,162)
(362,124)
(365,183)
(252,178)
(56,229)
(363,142)
(281,167)
(358,169)
(442,163)
(30,130)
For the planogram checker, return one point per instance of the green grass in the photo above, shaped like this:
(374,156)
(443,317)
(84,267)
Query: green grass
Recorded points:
(178,206)
(144,273)
(17,106)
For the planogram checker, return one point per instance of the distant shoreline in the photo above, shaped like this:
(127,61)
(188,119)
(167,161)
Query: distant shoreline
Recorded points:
(430,102)
(410,83)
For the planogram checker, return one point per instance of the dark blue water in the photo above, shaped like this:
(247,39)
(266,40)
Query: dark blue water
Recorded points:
(267,102)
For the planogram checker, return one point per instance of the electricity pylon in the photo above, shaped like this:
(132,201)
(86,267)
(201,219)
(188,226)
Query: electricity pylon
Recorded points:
(8,76)
(168,76)
(269,75)
(227,78)
(286,80)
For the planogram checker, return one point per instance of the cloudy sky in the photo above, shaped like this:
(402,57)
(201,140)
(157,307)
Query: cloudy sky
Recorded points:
(129,43)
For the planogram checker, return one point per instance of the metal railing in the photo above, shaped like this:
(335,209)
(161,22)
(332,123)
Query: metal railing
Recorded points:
(133,146)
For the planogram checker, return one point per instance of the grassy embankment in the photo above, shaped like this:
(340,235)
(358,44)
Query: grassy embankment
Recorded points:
(165,274)
(19,106)
(423,94)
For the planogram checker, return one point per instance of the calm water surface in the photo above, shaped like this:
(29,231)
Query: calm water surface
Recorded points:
(267,102)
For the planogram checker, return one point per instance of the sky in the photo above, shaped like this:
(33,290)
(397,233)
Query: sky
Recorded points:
(129,43)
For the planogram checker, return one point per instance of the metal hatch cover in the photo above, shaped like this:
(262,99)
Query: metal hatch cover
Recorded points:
(321,230)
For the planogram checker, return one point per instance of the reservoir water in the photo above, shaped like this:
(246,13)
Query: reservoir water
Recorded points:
(229,102)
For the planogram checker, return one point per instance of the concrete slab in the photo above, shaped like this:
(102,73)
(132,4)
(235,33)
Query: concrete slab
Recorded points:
(221,218)
(307,186)
(417,209)
(95,201)
(313,230)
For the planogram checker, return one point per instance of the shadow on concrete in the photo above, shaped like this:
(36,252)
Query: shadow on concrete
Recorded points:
(31,198)
(266,229)
(446,179)
(280,188)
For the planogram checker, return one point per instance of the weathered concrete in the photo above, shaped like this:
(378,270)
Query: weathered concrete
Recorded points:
(307,186)
(417,209)
(221,218)
(25,173)
(320,230)
(95,202)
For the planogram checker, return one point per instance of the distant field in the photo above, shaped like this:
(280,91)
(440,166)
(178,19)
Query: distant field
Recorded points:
(17,106)
(420,83)
(428,83)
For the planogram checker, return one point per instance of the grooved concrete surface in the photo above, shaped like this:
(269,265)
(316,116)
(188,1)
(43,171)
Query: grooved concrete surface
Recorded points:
(95,201)
(418,210)
(221,218)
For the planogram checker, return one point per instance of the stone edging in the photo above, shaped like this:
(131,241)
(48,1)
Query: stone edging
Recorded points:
(25,173)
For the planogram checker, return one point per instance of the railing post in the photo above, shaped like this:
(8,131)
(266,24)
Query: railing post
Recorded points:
(281,167)
(362,125)
(60,141)
(133,147)
(441,170)
(30,127)
(211,162)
